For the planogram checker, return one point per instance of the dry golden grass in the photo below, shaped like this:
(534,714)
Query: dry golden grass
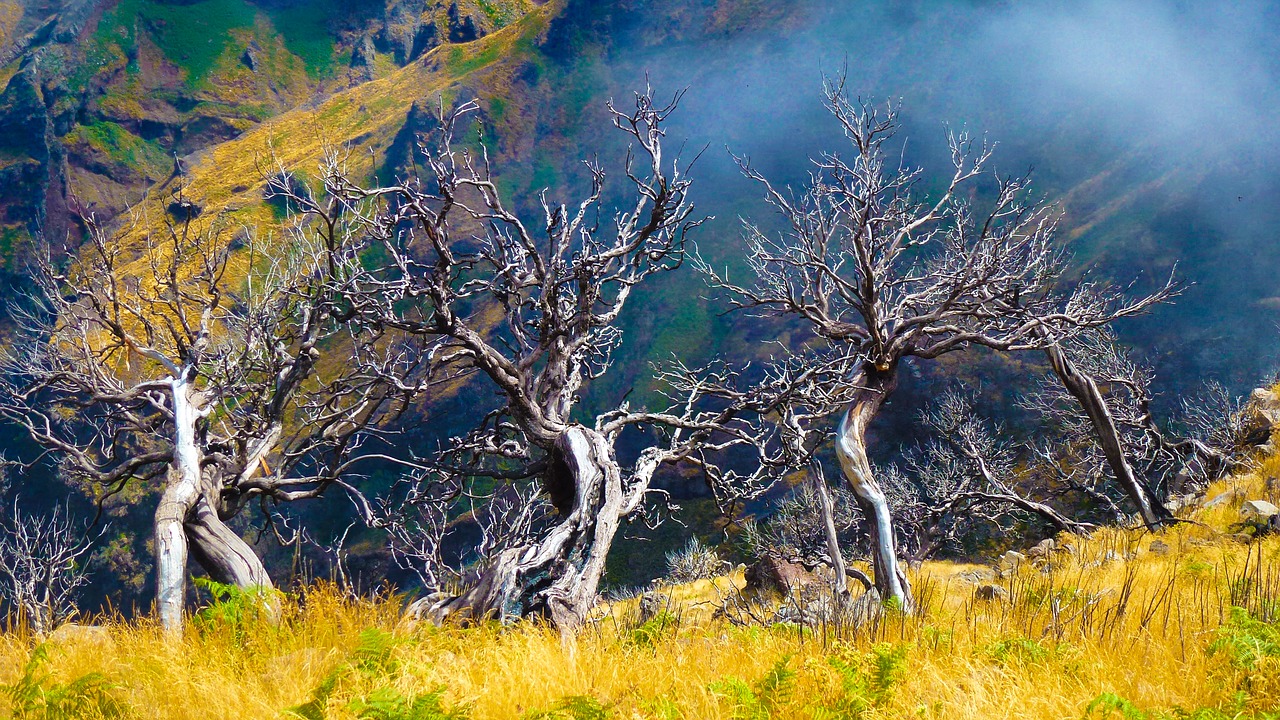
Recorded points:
(1110,619)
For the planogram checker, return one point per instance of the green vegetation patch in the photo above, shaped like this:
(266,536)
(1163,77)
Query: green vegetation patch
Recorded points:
(306,28)
(119,145)
(192,35)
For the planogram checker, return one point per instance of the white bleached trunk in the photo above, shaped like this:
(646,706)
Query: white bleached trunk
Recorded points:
(182,491)
(874,387)
(558,576)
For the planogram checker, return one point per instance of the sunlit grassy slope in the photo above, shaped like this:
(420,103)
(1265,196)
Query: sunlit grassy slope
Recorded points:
(1112,628)
(359,124)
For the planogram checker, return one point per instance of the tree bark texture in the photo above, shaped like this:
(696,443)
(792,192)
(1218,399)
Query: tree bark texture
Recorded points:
(873,387)
(223,554)
(182,491)
(187,523)
(558,576)
(840,577)
(1085,390)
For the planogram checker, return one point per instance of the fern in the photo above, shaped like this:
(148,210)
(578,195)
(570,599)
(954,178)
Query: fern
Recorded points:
(374,657)
(758,701)
(861,692)
(35,696)
(231,607)
(1246,640)
(387,704)
(1107,704)
(654,629)
(573,707)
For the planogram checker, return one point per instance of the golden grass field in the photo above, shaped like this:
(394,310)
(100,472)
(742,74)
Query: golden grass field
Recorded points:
(1113,629)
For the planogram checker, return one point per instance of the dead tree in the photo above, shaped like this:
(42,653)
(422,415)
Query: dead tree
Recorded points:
(869,263)
(42,566)
(531,309)
(966,474)
(223,375)
(1099,405)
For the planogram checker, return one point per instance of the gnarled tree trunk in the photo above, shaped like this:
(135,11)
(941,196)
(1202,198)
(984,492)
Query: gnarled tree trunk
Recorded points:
(221,551)
(873,388)
(187,523)
(181,492)
(558,576)
(1086,392)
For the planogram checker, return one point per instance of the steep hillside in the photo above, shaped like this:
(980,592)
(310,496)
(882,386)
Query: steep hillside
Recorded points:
(105,99)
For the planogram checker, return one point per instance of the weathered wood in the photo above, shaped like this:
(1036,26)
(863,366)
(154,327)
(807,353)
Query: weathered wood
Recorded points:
(1085,390)
(182,491)
(873,387)
(558,576)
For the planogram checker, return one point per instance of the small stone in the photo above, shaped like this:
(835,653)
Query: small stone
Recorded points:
(1159,547)
(990,592)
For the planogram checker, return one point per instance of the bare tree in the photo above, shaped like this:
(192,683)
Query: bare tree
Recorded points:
(532,309)
(870,264)
(1099,404)
(967,474)
(202,367)
(42,566)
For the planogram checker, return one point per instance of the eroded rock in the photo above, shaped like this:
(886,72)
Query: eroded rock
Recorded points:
(1258,511)
(773,575)
(989,592)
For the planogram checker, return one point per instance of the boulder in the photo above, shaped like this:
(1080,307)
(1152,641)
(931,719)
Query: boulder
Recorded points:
(976,577)
(652,604)
(1042,550)
(1262,416)
(83,636)
(1159,547)
(990,592)
(1258,511)
(1010,562)
(774,575)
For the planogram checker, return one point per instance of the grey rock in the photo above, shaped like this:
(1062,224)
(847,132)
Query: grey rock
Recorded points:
(1010,562)
(1042,550)
(652,604)
(1159,547)
(976,577)
(990,592)
(72,634)
(1258,510)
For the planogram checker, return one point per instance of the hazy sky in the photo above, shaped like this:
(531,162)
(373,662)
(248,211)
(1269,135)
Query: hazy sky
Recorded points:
(1166,109)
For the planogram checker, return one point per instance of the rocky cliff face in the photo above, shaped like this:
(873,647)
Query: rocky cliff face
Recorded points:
(102,99)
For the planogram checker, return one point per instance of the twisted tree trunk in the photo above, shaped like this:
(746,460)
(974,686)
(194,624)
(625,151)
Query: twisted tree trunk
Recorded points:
(223,554)
(558,576)
(182,491)
(186,522)
(873,387)
(1085,390)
